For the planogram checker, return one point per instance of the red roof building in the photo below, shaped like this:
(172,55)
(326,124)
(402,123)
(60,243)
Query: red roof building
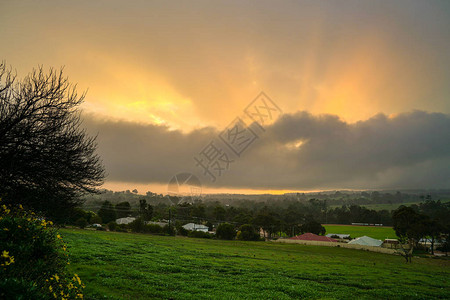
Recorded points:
(313,237)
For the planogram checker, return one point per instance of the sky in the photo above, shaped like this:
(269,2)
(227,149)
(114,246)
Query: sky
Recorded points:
(360,88)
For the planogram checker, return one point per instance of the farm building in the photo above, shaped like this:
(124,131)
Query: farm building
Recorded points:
(195,227)
(313,237)
(338,235)
(126,220)
(366,241)
(428,242)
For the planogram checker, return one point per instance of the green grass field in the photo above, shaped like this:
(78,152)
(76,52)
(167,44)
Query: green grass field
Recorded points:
(388,206)
(135,266)
(380,233)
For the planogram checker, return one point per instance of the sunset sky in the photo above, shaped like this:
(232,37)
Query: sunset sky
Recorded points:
(364,87)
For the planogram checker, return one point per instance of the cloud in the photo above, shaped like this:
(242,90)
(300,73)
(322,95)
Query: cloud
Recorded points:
(299,151)
(182,61)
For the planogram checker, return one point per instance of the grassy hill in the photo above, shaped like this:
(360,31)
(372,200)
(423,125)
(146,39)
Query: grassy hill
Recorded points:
(375,232)
(135,266)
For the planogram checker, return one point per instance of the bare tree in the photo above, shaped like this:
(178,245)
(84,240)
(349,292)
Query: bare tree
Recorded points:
(46,159)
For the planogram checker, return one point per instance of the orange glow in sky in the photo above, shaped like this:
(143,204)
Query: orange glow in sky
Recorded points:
(189,66)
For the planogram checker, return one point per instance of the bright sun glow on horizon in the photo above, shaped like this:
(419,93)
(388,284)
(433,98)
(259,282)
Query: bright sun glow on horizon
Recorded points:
(163,189)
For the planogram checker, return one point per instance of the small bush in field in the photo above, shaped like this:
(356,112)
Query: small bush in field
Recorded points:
(96,219)
(247,233)
(225,231)
(153,228)
(112,226)
(137,225)
(33,258)
(121,228)
(81,222)
(182,231)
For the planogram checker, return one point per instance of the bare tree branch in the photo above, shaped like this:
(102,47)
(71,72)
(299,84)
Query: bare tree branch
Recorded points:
(46,159)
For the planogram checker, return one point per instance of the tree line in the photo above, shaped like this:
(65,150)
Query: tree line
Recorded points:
(426,221)
(286,216)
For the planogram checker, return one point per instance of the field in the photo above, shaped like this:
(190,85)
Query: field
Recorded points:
(375,232)
(381,206)
(387,206)
(134,266)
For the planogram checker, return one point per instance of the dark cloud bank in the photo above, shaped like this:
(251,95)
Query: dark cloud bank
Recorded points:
(410,150)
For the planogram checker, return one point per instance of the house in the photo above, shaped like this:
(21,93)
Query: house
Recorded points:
(126,220)
(366,241)
(338,235)
(313,237)
(195,227)
(427,242)
(391,241)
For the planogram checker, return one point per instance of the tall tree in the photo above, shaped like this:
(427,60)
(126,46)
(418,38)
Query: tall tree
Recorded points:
(107,212)
(410,226)
(313,227)
(47,161)
(123,209)
(145,210)
(267,220)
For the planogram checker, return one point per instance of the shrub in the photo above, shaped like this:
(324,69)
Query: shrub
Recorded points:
(89,216)
(33,258)
(81,222)
(182,231)
(137,225)
(199,234)
(78,213)
(225,231)
(247,233)
(153,228)
(96,219)
(121,228)
(112,226)
(14,288)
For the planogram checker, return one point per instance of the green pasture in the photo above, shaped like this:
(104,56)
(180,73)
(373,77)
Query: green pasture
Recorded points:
(136,266)
(375,232)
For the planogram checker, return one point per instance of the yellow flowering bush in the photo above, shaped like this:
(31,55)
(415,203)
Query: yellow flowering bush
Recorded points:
(33,258)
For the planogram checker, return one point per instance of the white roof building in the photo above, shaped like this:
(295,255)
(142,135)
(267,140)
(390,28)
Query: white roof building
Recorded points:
(366,241)
(195,227)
